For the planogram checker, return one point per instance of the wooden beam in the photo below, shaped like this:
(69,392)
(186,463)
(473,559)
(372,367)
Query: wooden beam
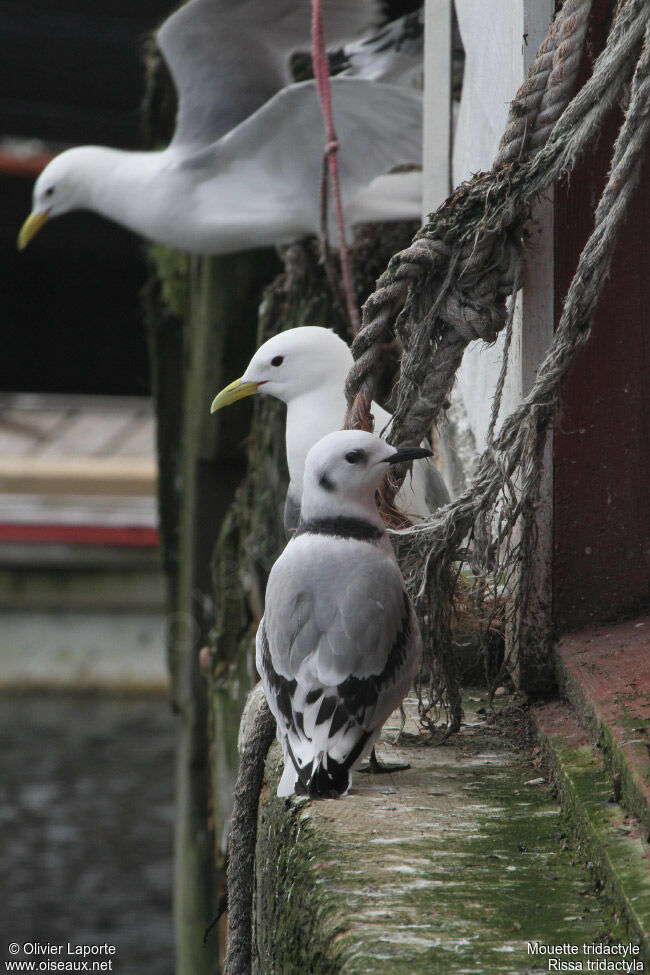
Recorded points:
(219,339)
(78,475)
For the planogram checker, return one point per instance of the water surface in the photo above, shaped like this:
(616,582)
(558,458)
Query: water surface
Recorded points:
(86,820)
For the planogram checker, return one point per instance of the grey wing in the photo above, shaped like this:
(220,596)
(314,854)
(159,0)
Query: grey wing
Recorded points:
(333,616)
(228,57)
(379,128)
(435,489)
(221,77)
(277,687)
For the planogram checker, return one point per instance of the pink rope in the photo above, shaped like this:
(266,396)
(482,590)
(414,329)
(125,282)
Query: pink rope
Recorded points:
(322,78)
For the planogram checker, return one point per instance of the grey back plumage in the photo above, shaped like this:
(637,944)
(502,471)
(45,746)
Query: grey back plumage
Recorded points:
(435,490)
(335,615)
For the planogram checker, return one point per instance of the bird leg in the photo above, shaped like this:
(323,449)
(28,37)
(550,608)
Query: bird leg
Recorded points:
(375,767)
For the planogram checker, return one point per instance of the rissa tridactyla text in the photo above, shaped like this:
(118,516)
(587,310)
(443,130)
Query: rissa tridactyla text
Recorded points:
(306,368)
(339,644)
(231,177)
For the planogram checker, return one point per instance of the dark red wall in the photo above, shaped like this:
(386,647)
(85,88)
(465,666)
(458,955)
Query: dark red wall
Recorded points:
(601,458)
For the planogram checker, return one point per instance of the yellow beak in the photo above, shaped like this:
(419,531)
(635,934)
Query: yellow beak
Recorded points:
(237,390)
(31,227)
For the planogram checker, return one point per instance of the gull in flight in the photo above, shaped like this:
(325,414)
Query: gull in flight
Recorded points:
(339,644)
(244,165)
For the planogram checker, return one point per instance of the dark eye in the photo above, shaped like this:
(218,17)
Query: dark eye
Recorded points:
(277,360)
(355,456)
(49,191)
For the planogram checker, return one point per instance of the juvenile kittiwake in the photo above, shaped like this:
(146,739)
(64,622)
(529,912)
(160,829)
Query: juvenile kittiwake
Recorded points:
(339,644)
(244,166)
(306,368)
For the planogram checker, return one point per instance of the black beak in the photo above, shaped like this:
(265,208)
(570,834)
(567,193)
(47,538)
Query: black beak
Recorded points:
(404,454)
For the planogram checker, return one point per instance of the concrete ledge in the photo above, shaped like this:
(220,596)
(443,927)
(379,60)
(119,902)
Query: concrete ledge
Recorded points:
(604,672)
(451,867)
(615,840)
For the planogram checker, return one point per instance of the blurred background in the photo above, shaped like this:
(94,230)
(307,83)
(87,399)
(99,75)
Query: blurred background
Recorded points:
(87,733)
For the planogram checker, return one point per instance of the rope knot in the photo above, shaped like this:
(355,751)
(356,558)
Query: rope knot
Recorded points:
(475,302)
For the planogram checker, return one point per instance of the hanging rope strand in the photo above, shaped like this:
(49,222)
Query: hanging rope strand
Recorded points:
(322,78)
(498,512)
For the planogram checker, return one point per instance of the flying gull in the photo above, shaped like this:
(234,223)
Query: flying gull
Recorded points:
(339,644)
(306,368)
(243,167)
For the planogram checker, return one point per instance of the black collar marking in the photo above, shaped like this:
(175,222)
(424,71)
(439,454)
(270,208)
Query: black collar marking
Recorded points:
(356,528)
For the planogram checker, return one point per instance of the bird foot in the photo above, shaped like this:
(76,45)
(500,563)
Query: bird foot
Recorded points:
(375,767)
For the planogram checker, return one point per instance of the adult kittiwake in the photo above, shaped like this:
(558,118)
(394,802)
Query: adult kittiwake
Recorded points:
(243,168)
(306,368)
(339,644)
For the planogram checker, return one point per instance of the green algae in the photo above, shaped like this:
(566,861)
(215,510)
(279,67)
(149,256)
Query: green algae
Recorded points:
(609,835)
(172,271)
(452,867)
(616,753)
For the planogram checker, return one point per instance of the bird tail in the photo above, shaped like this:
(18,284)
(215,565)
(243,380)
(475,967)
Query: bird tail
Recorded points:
(324,779)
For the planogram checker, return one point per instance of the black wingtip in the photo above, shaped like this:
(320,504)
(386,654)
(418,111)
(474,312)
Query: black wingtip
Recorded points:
(330,782)
(325,783)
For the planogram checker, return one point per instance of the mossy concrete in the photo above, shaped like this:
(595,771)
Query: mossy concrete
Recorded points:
(604,672)
(614,840)
(450,867)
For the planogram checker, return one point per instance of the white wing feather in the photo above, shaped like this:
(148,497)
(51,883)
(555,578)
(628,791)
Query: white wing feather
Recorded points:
(267,171)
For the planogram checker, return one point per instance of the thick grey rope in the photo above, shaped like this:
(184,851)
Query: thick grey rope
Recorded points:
(446,530)
(505,490)
(550,83)
(455,278)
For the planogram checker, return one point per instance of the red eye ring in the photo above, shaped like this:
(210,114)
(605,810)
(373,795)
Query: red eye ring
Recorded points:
(277,360)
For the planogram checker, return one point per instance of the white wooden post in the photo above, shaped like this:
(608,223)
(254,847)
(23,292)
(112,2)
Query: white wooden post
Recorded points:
(501,38)
(535,327)
(437,104)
